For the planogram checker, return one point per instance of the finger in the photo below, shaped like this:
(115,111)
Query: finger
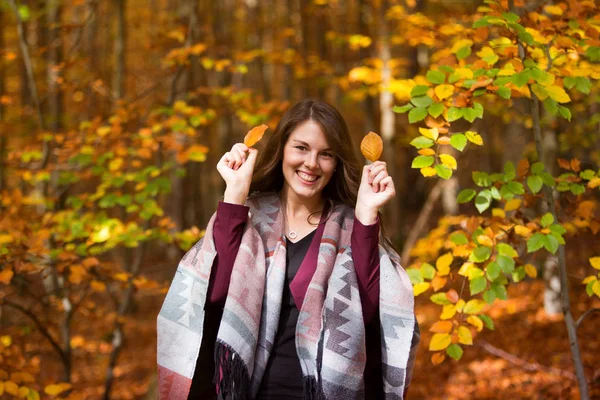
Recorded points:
(240,146)
(236,158)
(252,154)
(388,185)
(376,171)
(377,164)
(240,157)
(380,176)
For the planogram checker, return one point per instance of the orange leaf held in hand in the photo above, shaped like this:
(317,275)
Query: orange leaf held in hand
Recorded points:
(371,146)
(254,135)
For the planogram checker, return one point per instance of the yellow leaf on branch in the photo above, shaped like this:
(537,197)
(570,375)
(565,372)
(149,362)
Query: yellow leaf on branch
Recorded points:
(558,94)
(443,264)
(448,311)
(530,270)
(553,10)
(595,262)
(56,389)
(439,341)
(485,241)
(428,171)
(474,138)
(420,288)
(448,161)
(444,91)
(432,133)
(464,335)
(512,205)
(426,152)
(476,322)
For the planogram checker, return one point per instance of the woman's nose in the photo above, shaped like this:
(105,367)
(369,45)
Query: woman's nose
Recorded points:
(311,161)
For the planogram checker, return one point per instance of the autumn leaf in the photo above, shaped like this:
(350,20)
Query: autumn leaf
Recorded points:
(595,262)
(6,276)
(443,264)
(439,341)
(438,358)
(420,288)
(371,146)
(441,327)
(428,171)
(476,322)
(444,91)
(452,296)
(464,335)
(254,135)
(56,389)
(530,270)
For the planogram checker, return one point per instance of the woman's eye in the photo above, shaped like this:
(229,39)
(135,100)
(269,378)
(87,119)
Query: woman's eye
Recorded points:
(301,148)
(328,155)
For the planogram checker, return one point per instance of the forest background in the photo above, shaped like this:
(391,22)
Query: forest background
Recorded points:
(113,115)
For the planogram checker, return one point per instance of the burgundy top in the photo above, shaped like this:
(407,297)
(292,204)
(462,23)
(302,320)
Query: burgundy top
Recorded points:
(227,233)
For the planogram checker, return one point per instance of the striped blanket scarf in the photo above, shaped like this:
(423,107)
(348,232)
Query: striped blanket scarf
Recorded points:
(330,333)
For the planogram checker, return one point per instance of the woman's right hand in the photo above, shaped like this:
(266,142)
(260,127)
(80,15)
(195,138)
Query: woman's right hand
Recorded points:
(236,168)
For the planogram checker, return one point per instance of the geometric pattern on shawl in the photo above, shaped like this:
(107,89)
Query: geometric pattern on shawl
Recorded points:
(330,333)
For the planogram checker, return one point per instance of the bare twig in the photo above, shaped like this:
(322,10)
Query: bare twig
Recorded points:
(519,362)
(40,327)
(585,315)
(433,196)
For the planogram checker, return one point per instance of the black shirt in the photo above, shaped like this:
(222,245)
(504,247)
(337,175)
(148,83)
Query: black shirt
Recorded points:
(283,375)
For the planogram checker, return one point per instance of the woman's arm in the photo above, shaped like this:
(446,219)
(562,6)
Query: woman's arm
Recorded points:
(227,233)
(365,254)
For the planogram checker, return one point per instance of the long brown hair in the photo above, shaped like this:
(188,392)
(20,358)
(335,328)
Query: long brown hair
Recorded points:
(343,186)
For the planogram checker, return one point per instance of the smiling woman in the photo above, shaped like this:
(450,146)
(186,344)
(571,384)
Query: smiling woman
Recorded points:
(288,274)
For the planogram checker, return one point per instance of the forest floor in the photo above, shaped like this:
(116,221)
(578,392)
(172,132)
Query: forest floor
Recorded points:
(532,359)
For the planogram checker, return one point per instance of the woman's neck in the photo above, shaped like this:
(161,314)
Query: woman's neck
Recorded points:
(297,207)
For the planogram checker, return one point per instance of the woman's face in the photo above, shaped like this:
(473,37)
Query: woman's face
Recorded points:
(308,161)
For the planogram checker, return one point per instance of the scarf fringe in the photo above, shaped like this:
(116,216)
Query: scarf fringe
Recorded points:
(231,374)
(312,389)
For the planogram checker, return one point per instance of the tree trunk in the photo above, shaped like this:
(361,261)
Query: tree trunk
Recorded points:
(55,55)
(386,100)
(369,103)
(3,138)
(120,41)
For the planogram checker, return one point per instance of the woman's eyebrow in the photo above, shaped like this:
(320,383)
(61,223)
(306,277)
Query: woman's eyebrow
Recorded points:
(307,145)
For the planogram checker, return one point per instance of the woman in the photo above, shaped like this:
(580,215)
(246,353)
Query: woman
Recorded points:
(290,277)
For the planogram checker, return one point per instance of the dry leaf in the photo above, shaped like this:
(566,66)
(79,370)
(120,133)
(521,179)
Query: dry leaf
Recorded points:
(254,135)
(371,146)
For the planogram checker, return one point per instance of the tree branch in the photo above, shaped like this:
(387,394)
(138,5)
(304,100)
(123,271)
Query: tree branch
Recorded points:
(585,315)
(40,327)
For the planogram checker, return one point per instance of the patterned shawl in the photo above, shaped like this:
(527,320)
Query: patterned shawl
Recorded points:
(330,333)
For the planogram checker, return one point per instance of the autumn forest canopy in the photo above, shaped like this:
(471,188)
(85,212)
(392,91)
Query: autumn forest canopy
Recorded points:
(113,115)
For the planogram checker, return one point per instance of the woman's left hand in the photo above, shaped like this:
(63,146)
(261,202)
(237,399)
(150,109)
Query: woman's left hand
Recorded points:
(376,189)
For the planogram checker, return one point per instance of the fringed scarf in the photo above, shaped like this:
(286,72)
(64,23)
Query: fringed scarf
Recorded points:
(330,333)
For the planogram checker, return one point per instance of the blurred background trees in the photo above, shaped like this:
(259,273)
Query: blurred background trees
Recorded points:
(114,114)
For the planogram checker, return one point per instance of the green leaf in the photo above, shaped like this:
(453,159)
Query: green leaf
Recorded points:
(483,200)
(439,298)
(470,114)
(577,189)
(465,196)
(402,109)
(489,296)
(463,52)
(459,238)
(510,16)
(510,172)
(435,77)
(415,276)
(537,167)
(480,254)
(454,114)
(495,193)
(477,285)
(583,84)
(593,53)
(419,90)
(506,250)
(458,141)
(558,229)
(535,242)
(493,270)
(422,142)
(436,109)
(535,183)
(551,243)
(548,179)
(454,351)
(564,112)
(481,23)
(547,219)
(428,271)
(487,321)
(443,171)
(518,274)
(588,174)
(417,114)
(515,187)
(422,101)
(520,79)
(422,162)
(503,92)
(481,179)
(500,291)
(507,264)
(551,106)
(570,82)
(24,13)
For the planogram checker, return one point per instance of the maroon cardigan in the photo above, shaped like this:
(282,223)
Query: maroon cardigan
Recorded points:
(227,233)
